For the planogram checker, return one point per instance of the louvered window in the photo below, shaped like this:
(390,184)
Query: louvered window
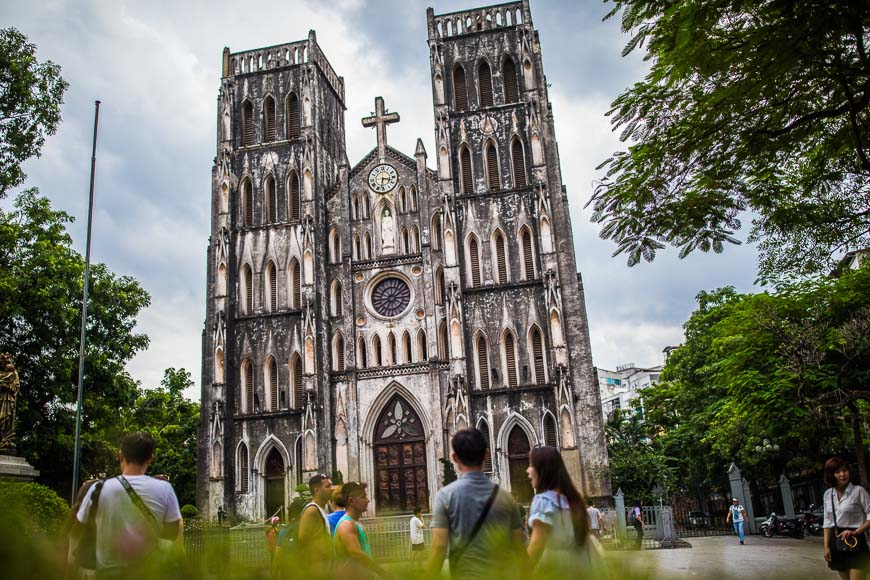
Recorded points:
(484,85)
(482,362)
(249,387)
(247,204)
(243,468)
(269,118)
(295,200)
(487,463)
(501,258)
(298,389)
(406,346)
(248,282)
(538,355)
(337,306)
(295,284)
(492,168)
(519,161)
(293,117)
(474,261)
(467,178)
(528,257)
(549,430)
(339,352)
(273,385)
(510,356)
(460,94)
(247,123)
(509,79)
(273,287)
(271,200)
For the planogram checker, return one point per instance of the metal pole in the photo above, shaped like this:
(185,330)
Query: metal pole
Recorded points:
(78,441)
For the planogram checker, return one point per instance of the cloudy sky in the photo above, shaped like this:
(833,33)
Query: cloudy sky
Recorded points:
(156,68)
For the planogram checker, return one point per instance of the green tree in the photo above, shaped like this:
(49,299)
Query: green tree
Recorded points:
(637,464)
(750,106)
(31,93)
(40,315)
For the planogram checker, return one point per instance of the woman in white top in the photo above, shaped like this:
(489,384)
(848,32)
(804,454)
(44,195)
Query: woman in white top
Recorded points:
(847,516)
(560,537)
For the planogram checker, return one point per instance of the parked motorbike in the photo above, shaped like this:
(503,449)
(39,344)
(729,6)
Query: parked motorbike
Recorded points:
(811,522)
(777,526)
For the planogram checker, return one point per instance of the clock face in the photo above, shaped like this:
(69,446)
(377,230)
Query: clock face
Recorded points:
(383,178)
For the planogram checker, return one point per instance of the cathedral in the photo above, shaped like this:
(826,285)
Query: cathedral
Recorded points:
(358,315)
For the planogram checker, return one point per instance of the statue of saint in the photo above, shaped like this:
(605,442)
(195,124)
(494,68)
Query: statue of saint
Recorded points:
(388,232)
(9,387)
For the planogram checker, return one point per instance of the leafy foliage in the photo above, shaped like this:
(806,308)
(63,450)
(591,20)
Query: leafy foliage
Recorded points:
(30,97)
(749,106)
(38,508)
(637,464)
(40,315)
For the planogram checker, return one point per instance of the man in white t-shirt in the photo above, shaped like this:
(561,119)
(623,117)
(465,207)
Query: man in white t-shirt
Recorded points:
(418,545)
(737,517)
(596,520)
(127,534)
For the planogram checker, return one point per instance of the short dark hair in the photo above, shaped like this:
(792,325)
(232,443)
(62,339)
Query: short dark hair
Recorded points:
(418,510)
(137,447)
(350,489)
(832,466)
(469,445)
(316,481)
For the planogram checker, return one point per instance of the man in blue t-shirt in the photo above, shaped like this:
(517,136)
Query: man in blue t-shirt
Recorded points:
(737,517)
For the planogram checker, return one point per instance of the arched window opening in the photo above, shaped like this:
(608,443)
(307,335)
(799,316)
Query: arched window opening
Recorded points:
(294,116)
(550,431)
(247,203)
(247,290)
(482,362)
(501,258)
(407,352)
(436,232)
(294,197)
(272,285)
(415,240)
(492,177)
(412,198)
(269,118)
(519,162)
(355,207)
(295,284)
(243,468)
(337,306)
(271,199)
(474,261)
(334,247)
(356,248)
(442,340)
(422,347)
(296,381)
(465,170)
(405,241)
(537,348)
(376,351)
(518,448)
(247,123)
(338,352)
(484,84)
(510,359)
(369,254)
(403,200)
(509,80)
(272,377)
(483,427)
(460,93)
(221,289)
(528,253)
(361,354)
(248,385)
(219,366)
(440,288)
(391,349)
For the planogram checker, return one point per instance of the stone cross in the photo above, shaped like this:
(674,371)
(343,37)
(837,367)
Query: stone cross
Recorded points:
(380,119)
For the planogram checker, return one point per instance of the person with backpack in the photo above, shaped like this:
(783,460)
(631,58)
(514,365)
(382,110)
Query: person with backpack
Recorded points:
(737,517)
(478,522)
(353,553)
(315,541)
(131,514)
(635,519)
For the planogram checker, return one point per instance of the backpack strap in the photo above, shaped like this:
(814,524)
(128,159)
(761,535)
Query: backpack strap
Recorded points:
(140,505)
(456,555)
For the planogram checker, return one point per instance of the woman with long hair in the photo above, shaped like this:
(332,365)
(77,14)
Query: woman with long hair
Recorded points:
(847,517)
(558,518)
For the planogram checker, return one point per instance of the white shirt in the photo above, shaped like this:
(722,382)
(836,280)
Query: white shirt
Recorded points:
(416,530)
(736,513)
(594,514)
(123,533)
(853,509)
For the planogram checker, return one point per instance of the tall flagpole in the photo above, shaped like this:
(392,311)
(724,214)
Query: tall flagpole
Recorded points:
(78,443)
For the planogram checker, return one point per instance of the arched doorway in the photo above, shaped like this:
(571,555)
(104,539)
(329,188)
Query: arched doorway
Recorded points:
(275,493)
(400,459)
(518,461)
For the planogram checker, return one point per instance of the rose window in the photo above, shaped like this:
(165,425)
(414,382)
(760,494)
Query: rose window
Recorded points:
(391,297)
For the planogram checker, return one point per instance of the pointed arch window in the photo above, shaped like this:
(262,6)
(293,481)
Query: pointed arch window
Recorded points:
(272,381)
(500,257)
(403,200)
(368,239)
(465,170)
(436,241)
(356,247)
(376,351)
(247,290)
(422,347)
(509,80)
(219,366)
(296,380)
(334,247)
(247,123)
(355,207)
(271,199)
(483,427)
(272,285)
(336,302)
(536,340)
(492,178)
(550,430)
(217,470)
(407,352)
(484,84)
(247,203)
(482,361)
(243,468)
(460,92)
(442,340)
(474,261)
(510,359)
(248,385)
(269,118)
(294,117)
(294,197)
(519,162)
(338,352)
(405,241)
(361,354)
(440,288)
(412,198)
(295,284)
(415,240)
(528,253)
(391,349)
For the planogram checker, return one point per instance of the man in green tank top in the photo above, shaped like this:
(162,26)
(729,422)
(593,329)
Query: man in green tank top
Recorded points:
(352,549)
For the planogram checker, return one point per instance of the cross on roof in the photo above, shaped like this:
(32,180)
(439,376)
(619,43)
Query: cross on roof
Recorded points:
(380,119)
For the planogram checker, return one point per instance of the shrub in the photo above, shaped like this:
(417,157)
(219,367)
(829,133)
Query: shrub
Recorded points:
(189,511)
(39,507)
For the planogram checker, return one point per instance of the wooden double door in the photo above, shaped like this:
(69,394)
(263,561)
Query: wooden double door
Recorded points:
(401,473)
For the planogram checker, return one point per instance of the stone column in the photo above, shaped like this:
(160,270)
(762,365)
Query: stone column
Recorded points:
(740,490)
(787,499)
(619,502)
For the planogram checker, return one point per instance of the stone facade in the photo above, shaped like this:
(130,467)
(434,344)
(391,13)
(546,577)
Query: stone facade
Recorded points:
(358,316)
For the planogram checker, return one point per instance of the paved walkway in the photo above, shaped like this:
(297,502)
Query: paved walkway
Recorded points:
(724,557)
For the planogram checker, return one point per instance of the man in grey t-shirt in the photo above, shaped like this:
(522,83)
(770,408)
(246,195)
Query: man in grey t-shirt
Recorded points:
(459,506)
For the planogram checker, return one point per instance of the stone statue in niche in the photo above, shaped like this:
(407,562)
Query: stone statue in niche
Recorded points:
(388,232)
(9,387)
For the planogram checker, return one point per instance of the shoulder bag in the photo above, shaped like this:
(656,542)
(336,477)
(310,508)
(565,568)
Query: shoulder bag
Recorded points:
(85,553)
(140,505)
(457,554)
